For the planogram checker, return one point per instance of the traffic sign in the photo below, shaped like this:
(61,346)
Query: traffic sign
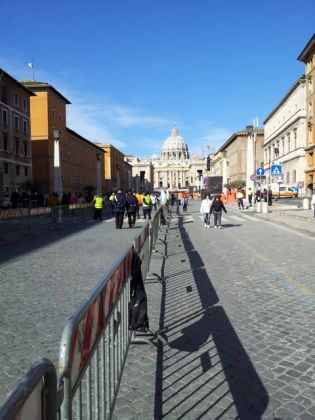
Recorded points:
(253,177)
(260,172)
(276,170)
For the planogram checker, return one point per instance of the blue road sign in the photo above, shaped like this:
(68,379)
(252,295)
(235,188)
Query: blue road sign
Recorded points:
(260,172)
(276,170)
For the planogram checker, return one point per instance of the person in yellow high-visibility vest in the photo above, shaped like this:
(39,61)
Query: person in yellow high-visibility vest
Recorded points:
(98,206)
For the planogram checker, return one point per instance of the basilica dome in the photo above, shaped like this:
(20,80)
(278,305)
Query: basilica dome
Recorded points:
(175,147)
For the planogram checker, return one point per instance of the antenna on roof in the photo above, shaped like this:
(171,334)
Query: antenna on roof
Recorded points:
(32,66)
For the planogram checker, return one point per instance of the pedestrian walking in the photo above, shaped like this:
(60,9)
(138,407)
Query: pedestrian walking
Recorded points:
(205,210)
(269,197)
(98,207)
(119,207)
(153,201)
(216,208)
(240,198)
(146,205)
(132,205)
(250,197)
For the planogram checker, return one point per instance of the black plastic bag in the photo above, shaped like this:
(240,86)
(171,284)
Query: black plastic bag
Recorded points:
(138,305)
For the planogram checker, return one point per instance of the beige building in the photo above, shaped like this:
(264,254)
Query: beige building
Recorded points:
(233,161)
(15,136)
(285,136)
(81,161)
(307,56)
(115,168)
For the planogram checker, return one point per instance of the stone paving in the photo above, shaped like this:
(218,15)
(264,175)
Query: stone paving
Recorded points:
(43,280)
(238,305)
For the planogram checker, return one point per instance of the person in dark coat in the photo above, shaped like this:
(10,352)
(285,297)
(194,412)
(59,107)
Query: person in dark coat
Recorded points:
(216,208)
(132,206)
(119,206)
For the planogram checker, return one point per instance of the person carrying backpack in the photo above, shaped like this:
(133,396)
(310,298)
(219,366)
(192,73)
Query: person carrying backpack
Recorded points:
(132,205)
(119,207)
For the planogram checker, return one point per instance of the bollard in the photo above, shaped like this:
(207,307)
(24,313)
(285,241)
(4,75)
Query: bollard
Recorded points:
(264,207)
(306,204)
(258,207)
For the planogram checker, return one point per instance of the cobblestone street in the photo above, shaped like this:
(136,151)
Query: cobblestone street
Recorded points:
(238,306)
(43,280)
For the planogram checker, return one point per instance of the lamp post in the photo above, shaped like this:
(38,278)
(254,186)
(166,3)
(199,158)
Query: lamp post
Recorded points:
(251,159)
(57,164)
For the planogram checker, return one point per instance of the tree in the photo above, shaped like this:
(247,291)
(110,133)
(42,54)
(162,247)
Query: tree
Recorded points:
(235,184)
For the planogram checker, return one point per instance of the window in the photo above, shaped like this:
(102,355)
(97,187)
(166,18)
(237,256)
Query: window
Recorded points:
(25,126)
(25,171)
(16,99)
(3,94)
(295,139)
(6,168)
(289,143)
(5,142)
(16,122)
(24,104)
(53,114)
(17,146)
(293,176)
(288,177)
(17,170)
(25,148)
(4,116)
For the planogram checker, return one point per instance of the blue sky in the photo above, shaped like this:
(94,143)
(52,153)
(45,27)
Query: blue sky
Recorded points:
(131,68)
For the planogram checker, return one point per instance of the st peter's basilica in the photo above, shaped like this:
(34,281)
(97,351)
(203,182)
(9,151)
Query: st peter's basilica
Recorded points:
(174,169)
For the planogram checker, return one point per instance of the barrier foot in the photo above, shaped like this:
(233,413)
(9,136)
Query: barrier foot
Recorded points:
(156,277)
(156,340)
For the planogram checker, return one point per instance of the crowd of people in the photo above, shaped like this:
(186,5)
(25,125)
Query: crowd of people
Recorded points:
(126,203)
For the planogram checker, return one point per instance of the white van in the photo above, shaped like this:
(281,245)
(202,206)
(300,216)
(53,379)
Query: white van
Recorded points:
(283,190)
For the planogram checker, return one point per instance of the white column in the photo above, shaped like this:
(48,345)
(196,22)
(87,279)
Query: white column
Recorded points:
(224,173)
(164,179)
(250,164)
(57,169)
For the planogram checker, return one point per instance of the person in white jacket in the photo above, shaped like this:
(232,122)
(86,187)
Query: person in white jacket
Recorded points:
(205,210)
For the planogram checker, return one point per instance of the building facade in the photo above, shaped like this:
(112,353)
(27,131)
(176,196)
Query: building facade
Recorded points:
(115,168)
(15,136)
(234,161)
(285,135)
(174,169)
(81,161)
(82,164)
(307,56)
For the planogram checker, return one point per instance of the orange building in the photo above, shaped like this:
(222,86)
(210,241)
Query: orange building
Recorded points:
(81,161)
(15,136)
(115,168)
(307,56)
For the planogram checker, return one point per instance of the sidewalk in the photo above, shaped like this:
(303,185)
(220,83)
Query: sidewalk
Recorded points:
(288,216)
(238,319)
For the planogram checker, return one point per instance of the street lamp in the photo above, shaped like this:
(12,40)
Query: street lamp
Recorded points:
(251,159)
(57,164)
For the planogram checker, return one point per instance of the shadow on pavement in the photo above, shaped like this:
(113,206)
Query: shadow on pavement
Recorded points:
(204,370)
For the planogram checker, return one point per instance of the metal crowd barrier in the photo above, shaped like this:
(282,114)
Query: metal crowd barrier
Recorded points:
(35,396)
(94,346)
(16,223)
(93,349)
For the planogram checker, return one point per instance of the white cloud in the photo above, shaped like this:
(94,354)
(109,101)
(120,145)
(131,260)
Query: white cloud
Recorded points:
(211,141)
